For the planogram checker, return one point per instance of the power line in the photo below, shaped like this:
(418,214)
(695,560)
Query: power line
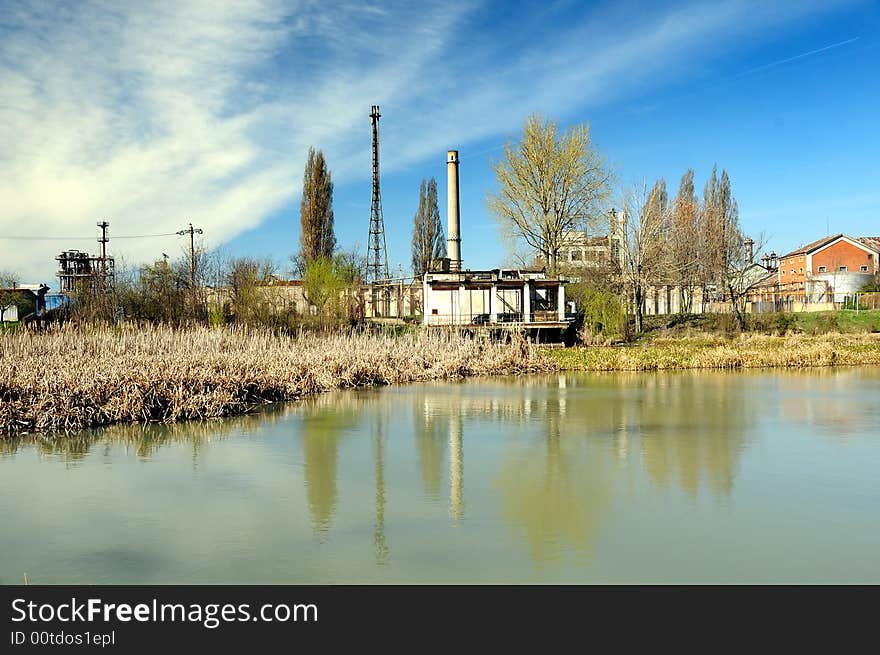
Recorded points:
(126,236)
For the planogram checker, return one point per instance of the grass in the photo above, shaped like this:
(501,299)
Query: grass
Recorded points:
(74,378)
(709,351)
(777,323)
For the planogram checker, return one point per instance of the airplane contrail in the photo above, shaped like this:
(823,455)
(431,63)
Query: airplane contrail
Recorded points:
(800,56)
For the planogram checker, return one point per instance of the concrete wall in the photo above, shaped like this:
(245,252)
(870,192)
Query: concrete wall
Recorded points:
(667,299)
(833,286)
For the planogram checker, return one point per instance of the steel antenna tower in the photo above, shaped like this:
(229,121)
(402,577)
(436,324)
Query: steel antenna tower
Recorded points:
(377,255)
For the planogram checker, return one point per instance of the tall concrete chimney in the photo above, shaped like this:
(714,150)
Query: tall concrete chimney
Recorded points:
(453,241)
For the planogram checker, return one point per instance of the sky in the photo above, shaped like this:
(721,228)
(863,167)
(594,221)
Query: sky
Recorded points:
(154,115)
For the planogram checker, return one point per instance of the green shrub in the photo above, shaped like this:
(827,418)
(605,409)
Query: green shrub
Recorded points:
(601,313)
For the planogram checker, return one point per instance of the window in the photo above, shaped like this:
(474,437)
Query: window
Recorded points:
(575,255)
(792,271)
(801,270)
(842,268)
(822,269)
(863,268)
(783,272)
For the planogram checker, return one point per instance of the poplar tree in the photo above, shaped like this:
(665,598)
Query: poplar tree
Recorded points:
(428,242)
(684,255)
(317,239)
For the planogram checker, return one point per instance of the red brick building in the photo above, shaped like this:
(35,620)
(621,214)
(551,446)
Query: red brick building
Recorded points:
(822,271)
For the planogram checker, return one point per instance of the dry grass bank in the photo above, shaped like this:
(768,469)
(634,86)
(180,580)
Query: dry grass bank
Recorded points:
(707,351)
(77,378)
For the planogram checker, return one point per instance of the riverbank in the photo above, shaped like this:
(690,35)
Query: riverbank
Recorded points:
(73,378)
(715,352)
(77,378)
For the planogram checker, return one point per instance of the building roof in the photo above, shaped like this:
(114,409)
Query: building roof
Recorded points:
(872,242)
(869,242)
(26,289)
(496,275)
(768,280)
(810,247)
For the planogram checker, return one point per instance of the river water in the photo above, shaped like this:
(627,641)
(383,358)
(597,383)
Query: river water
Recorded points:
(660,477)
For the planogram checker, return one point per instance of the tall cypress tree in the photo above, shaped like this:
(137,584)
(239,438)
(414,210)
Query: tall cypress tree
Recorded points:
(428,242)
(316,210)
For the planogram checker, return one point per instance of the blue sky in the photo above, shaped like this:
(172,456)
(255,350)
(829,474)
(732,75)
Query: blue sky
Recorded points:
(154,114)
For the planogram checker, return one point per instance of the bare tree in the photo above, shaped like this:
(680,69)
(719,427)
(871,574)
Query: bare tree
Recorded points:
(741,274)
(428,242)
(549,185)
(244,275)
(643,225)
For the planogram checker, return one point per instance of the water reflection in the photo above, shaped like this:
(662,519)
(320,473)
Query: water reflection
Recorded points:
(431,432)
(560,469)
(383,553)
(143,439)
(323,425)
(555,490)
(456,465)
(561,437)
(836,400)
(691,430)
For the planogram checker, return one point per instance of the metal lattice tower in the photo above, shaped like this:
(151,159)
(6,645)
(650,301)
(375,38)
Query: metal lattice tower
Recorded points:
(377,255)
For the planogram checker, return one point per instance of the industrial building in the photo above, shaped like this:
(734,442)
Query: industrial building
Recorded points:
(494,296)
(453,296)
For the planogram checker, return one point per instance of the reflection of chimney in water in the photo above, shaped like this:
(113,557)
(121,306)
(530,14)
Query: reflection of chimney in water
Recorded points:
(456,466)
(453,242)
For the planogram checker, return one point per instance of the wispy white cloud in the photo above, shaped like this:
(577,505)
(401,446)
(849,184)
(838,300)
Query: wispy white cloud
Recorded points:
(154,114)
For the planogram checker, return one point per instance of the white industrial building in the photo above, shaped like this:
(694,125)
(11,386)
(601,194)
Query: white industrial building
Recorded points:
(454,297)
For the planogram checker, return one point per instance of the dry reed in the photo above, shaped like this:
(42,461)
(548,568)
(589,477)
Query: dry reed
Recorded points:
(77,378)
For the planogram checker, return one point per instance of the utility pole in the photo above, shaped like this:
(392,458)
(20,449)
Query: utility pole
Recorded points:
(192,231)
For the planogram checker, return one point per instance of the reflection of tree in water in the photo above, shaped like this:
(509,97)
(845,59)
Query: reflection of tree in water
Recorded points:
(556,490)
(839,401)
(325,418)
(686,428)
(692,427)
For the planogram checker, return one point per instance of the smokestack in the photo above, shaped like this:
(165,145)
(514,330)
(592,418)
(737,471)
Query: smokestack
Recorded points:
(453,242)
(750,250)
